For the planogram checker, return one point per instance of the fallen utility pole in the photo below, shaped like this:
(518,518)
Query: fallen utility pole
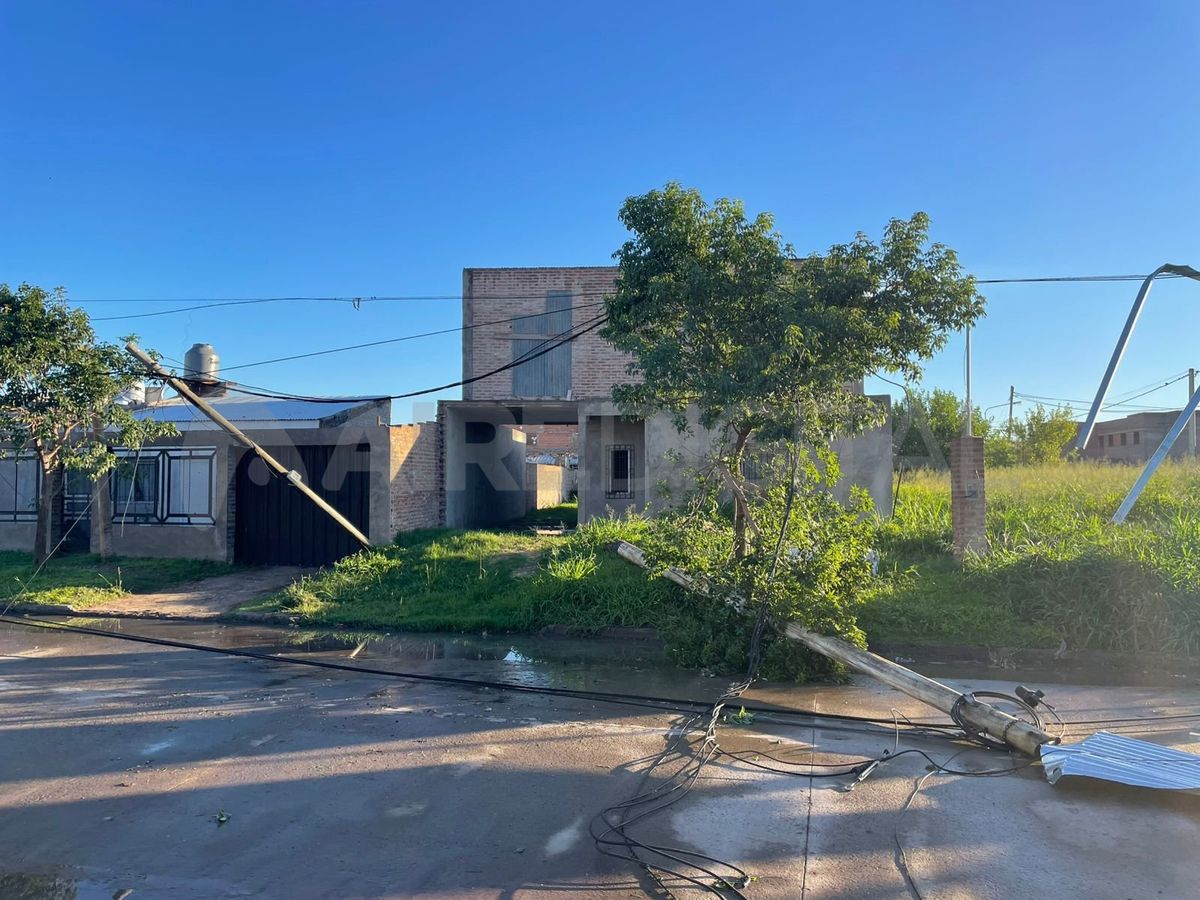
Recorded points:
(292,476)
(983,717)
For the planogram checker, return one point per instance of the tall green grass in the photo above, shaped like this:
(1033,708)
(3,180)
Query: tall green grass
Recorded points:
(1057,570)
(484,581)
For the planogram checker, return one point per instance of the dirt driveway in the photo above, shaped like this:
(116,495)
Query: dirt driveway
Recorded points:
(204,599)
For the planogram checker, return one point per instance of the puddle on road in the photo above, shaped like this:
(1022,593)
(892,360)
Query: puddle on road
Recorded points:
(26,886)
(576,663)
(610,665)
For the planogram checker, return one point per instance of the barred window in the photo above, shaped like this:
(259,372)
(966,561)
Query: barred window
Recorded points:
(165,486)
(20,486)
(619,460)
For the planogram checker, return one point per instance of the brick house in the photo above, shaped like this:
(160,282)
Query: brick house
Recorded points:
(1134,438)
(199,494)
(509,314)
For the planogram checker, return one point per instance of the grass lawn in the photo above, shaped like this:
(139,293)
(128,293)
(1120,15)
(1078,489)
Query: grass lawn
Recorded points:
(443,580)
(84,580)
(565,514)
(1058,570)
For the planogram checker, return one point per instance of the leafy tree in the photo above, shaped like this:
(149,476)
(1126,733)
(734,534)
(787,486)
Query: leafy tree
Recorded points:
(1041,436)
(722,317)
(58,393)
(925,422)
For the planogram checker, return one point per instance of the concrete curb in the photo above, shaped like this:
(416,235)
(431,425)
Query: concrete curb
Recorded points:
(232,618)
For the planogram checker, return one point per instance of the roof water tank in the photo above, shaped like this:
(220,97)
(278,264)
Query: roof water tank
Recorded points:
(202,363)
(134,395)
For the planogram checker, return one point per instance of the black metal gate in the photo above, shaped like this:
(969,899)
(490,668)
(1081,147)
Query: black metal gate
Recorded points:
(76,512)
(277,525)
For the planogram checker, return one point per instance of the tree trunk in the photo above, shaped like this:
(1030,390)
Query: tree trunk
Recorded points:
(49,519)
(101,538)
(740,510)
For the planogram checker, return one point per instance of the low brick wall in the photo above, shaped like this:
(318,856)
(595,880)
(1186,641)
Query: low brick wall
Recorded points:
(545,485)
(415,495)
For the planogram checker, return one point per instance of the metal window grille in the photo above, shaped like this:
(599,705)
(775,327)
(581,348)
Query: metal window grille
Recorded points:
(165,487)
(20,488)
(619,475)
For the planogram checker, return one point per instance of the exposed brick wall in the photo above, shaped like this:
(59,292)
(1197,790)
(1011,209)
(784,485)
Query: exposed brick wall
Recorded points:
(497,295)
(415,488)
(968,503)
(557,440)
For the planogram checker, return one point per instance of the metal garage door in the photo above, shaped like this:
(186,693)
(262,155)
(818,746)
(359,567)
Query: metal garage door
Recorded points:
(277,525)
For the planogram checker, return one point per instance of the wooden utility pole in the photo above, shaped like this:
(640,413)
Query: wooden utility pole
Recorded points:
(292,476)
(981,716)
(1012,395)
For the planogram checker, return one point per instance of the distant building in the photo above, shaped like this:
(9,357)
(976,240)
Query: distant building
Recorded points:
(1134,438)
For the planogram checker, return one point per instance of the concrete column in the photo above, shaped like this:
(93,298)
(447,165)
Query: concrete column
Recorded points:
(967,503)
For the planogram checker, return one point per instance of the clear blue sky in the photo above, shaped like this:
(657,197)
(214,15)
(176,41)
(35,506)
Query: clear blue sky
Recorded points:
(258,149)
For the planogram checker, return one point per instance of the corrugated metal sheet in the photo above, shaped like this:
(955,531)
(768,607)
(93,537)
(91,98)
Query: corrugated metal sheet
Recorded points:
(1112,757)
(244,410)
(548,375)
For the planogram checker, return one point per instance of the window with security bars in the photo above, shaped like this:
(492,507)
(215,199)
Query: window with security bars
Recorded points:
(20,486)
(165,487)
(619,477)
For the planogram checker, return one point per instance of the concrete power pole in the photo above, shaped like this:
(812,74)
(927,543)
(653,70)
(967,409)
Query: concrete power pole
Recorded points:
(1191,447)
(1012,394)
(967,425)
(293,478)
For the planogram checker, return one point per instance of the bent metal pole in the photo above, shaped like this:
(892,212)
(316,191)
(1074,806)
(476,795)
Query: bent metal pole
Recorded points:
(984,717)
(292,476)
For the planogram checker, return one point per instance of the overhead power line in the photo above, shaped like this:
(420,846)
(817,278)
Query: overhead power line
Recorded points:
(541,349)
(406,337)
(355,301)
(202,303)
(1068,279)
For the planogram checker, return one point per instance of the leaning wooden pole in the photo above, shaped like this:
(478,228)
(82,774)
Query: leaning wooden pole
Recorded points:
(240,436)
(983,717)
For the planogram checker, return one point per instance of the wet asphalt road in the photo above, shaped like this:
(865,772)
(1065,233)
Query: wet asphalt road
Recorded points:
(175,773)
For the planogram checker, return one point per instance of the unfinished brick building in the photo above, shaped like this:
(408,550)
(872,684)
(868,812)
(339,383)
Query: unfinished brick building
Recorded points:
(514,321)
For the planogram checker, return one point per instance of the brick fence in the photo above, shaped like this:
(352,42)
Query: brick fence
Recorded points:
(968,503)
(415,491)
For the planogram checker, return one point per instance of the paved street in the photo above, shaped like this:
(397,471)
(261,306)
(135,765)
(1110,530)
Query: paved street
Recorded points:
(183,774)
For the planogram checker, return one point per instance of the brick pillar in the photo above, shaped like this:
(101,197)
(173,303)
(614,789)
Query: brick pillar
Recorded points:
(967,503)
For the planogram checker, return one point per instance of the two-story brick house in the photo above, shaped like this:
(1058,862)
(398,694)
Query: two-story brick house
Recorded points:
(520,373)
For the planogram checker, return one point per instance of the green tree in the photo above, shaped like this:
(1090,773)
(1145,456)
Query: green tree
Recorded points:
(720,315)
(58,394)
(925,422)
(1040,436)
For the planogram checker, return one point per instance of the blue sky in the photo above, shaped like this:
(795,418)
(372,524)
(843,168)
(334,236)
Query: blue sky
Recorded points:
(217,150)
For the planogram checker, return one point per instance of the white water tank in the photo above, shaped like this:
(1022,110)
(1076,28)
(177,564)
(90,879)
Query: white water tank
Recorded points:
(133,396)
(202,363)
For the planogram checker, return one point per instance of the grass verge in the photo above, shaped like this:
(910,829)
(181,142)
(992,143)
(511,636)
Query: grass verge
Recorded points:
(443,580)
(1058,571)
(86,580)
